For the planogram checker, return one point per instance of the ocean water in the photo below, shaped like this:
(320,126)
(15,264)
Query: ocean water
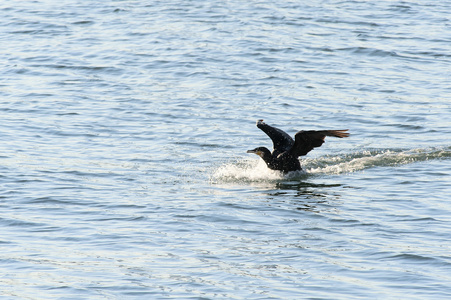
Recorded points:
(125,125)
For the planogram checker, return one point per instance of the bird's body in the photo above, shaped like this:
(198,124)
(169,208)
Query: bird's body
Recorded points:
(284,156)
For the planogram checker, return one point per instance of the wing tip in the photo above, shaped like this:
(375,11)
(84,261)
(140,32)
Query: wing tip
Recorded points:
(260,123)
(341,133)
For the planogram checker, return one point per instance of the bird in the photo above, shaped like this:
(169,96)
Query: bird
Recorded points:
(284,156)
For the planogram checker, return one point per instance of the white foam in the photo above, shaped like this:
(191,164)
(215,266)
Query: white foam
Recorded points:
(371,158)
(245,170)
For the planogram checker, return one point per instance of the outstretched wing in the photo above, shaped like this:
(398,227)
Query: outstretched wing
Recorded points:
(305,141)
(281,140)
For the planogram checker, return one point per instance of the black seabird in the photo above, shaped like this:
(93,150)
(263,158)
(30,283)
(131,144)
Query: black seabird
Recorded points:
(286,151)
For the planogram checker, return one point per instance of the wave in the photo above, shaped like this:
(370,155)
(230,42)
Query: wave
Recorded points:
(255,170)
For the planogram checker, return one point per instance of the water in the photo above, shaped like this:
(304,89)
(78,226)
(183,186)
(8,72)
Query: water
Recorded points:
(125,126)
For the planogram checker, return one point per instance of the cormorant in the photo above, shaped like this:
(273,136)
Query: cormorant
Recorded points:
(286,151)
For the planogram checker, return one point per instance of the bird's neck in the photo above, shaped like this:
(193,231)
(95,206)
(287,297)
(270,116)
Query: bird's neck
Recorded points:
(267,157)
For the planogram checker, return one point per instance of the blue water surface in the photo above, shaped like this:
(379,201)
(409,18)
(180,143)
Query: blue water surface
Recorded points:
(125,125)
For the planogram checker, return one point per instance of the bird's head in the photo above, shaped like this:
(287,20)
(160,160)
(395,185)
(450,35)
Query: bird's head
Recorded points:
(260,151)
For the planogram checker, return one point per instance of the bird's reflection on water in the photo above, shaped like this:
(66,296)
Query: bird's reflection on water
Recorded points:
(305,195)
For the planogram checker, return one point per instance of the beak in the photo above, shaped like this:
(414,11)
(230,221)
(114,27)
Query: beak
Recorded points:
(251,151)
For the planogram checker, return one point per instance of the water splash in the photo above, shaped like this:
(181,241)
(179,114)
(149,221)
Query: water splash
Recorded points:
(246,170)
(255,170)
(358,161)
